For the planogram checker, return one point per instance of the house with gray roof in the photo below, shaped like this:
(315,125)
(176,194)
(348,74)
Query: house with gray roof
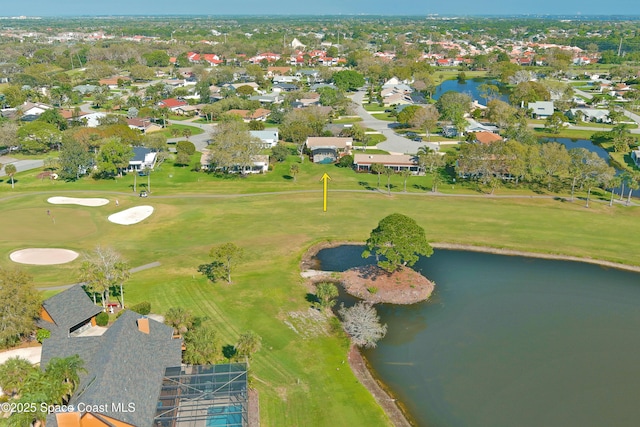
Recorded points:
(68,313)
(327,149)
(269,137)
(541,109)
(589,115)
(124,366)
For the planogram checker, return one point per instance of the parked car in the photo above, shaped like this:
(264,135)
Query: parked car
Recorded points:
(418,139)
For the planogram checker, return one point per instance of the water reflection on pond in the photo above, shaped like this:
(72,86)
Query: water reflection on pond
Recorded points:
(512,341)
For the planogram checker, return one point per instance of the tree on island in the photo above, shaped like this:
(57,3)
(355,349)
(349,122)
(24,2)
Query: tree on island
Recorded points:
(396,242)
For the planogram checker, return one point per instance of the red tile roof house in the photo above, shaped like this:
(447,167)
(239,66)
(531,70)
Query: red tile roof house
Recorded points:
(328,149)
(172,104)
(113,81)
(486,138)
(259,114)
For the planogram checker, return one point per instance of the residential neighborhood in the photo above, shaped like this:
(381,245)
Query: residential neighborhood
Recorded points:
(176,191)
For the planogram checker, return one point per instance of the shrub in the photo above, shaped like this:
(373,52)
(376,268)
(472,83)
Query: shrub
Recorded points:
(102,319)
(143,308)
(345,161)
(42,335)
(280,152)
(186,147)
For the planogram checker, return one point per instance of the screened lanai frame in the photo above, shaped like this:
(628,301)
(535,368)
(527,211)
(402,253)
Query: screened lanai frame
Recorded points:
(203,396)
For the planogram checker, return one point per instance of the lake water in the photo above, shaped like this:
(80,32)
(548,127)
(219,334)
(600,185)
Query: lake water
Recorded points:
(587,144)
(512,341)
(470,87)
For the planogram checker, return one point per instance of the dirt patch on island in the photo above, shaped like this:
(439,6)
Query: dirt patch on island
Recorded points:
(373,284)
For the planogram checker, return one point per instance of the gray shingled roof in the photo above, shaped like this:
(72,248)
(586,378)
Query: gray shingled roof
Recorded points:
(128,367)
(124,365)
(68,309)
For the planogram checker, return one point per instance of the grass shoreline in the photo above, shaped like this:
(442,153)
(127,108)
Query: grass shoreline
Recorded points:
(393,407)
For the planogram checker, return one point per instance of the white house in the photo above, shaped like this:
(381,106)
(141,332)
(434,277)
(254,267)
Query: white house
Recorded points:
(397,162)
(269,137)
(260,163)
(143,158)
(34,108)
(591,114)
(541,109)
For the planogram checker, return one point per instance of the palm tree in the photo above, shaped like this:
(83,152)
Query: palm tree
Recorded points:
(293,170)
(406,173)
(613,182)
(388,172)
(13,374)
(377,168)
(179,318)
(633,183)
(65,371)
(10,170)
(248,343)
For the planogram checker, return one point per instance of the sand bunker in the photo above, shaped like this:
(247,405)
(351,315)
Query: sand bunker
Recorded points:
(77,201)
(43,256)
(132,215)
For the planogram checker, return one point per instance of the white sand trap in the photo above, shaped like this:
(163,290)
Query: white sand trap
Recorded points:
(77,201)
(131,215)
(43,256)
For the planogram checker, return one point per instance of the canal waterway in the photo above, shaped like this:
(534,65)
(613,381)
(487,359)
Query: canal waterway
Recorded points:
(511,341)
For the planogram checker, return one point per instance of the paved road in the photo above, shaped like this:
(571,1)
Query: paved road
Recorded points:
(394,144)
(200,141)
(23,165)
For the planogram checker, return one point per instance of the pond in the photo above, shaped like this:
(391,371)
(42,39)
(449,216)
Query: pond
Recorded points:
(511,341)
(470,87)
(589,145)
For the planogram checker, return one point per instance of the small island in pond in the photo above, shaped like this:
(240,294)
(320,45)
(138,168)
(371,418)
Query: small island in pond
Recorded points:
(376,285)
(397,243)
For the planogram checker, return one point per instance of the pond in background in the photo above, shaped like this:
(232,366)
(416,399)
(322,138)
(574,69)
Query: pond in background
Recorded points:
(589,145)
(511,341)
(470,87)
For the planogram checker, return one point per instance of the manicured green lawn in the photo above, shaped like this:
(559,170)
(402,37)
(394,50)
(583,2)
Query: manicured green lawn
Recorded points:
(301,380)
(178,117)
(194,130)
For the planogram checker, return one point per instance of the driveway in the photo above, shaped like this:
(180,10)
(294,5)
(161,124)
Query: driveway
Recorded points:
(32,354)
(395,143)
(200,141)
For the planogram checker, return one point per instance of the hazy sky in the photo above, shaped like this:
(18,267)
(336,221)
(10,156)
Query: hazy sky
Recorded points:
(315,7)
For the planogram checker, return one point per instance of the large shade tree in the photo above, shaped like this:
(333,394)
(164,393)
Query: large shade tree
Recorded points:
(397,241)
(103,271)
(20,304)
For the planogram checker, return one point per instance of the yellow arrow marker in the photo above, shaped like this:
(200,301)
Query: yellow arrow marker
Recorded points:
(325,179)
